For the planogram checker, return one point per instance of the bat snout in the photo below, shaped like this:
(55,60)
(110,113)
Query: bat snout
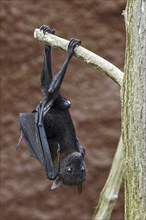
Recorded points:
(77,157)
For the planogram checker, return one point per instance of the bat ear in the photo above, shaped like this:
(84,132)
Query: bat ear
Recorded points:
(56,183)
(83,152)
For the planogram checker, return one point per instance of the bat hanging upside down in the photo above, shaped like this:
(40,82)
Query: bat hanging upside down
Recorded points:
(49,132)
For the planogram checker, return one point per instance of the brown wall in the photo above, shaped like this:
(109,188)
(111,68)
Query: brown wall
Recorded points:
(25,191)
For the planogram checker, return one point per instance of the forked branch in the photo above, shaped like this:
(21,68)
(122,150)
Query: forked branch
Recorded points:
(89,57)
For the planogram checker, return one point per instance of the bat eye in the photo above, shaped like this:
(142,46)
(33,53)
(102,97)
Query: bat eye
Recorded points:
(82,169)
(68,103)
(69,170)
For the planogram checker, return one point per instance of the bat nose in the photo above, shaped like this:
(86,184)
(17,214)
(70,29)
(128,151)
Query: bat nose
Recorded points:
(77,157)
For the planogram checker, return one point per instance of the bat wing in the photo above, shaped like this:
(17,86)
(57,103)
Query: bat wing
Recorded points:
(36,141)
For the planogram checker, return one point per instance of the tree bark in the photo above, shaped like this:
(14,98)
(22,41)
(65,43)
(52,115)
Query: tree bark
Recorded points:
(133,112)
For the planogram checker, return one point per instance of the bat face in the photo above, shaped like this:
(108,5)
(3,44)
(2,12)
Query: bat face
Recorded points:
(73,169)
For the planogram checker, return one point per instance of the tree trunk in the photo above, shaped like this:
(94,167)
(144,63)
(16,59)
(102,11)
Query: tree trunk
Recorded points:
(134,111)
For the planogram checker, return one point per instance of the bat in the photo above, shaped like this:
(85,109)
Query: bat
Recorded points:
(48,130)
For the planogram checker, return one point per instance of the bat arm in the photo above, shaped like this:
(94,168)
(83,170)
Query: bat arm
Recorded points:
(48,163)
(49,168)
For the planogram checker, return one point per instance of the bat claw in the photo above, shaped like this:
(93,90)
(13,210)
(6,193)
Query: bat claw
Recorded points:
(57,182)
(72,44)
(47,29)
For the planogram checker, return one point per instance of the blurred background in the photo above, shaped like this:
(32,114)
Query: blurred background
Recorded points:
(25,191)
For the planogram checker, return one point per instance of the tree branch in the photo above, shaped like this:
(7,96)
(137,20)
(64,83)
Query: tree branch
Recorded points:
(109,194)
(88,56)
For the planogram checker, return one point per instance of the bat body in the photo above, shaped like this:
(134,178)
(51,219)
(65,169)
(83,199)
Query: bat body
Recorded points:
(49,131)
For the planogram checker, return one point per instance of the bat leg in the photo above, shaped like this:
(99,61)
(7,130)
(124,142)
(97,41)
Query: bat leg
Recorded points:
(46,73)
(57,81)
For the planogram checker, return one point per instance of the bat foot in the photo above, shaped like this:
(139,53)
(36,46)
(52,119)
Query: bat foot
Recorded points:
(72,44)
(47,29)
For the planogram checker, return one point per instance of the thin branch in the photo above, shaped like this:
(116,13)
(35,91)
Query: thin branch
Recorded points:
(109,194)
(88,56)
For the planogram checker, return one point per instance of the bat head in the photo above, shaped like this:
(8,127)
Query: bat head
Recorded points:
(72,171)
